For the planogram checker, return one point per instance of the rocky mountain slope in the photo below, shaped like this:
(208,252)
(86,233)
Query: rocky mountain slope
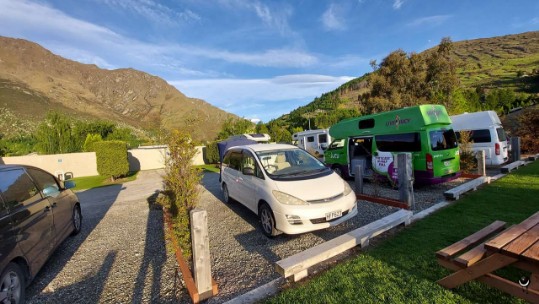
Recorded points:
(33,80)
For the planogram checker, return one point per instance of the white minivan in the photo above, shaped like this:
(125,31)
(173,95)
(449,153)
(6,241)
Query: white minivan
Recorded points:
(289,189)
(487,134)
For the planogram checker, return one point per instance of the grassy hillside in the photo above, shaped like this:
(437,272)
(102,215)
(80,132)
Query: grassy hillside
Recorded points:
(506,62)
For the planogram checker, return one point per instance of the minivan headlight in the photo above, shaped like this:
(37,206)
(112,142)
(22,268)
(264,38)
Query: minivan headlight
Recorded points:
(288,199)
(347,188)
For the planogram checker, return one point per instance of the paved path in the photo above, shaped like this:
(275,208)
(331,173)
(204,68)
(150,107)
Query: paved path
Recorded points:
(120,255)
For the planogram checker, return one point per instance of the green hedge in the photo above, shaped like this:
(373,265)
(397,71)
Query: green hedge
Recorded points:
(112,158)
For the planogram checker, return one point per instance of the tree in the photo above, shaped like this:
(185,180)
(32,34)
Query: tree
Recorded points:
(55,135)
(90,140)
(441,76)
(233,126)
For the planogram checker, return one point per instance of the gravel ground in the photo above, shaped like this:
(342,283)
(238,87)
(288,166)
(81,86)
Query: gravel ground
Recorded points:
(243,258)
(120,255)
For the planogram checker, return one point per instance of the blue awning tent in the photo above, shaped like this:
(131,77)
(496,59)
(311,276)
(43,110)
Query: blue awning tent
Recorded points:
(224,145)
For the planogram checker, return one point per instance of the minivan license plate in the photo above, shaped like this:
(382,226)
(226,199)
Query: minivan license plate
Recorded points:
(333,215)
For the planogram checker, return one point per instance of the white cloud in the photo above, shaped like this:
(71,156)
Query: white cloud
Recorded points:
(332,19)
(397,4)
(153,11)
(54,29)
(276,19)
(431,20)
(250,97)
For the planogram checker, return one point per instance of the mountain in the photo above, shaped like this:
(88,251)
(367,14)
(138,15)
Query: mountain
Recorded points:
(509,62)
(33,80)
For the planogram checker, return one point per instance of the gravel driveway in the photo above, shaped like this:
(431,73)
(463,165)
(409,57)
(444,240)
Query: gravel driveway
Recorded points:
(120,254)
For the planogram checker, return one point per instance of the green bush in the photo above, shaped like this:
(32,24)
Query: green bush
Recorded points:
(468,163)
(112,158)
(181,186)
(211,155)
(90,140)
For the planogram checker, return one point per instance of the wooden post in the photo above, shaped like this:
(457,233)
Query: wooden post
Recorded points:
(515,149)
(404,170)
(481,170)
(201,252)
(358,178)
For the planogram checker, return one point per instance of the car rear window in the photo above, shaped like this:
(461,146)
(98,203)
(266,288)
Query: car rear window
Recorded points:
(442,140)
(501,134)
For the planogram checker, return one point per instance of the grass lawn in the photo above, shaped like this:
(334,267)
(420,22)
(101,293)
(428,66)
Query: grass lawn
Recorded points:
(403,268)
(210,168)
(89,182)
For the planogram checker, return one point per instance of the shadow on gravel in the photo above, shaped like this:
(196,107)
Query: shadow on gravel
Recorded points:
(89,289)
(210,181)
(95,203)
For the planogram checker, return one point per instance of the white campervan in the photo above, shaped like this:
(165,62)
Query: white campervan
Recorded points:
(487,134)
(315,141)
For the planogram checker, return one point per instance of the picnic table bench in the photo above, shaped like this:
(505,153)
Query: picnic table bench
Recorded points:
(493,248)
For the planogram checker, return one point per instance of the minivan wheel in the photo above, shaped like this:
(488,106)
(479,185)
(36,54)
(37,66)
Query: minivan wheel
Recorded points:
(226,195)
(267,221)
(76,219)
(12,285)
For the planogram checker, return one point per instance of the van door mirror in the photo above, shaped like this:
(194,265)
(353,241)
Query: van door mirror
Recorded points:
(248,171)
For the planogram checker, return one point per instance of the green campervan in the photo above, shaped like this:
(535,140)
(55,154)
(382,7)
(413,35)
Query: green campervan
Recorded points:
(373,141)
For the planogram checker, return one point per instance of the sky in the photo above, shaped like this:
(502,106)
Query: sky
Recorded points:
(256,59)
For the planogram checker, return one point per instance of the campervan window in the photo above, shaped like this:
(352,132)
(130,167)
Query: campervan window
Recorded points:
(407,142)
(323,138)
(233,160)
(337,144)
(501,134)
(442,140)
(366,124)
(481,136)
(310,139)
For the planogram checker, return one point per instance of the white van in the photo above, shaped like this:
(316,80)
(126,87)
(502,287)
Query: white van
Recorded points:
(290,190)
(316,141)
(487,134)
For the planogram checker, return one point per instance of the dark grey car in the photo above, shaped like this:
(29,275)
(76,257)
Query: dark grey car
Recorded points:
(37,213)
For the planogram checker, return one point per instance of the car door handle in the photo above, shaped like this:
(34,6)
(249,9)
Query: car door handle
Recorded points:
(54,205)
(47,209)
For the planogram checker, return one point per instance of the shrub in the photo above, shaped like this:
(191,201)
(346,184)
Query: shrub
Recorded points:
(112,158)
(468,163)
(90,140)
(212,153)
(181,186)
(528,130)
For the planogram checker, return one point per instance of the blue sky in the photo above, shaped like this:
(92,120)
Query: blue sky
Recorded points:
(256,59)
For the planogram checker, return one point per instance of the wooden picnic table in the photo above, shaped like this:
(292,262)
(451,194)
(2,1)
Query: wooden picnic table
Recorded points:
(517,246)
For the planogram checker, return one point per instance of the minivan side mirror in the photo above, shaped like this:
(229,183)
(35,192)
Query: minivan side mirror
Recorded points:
(248,171)
(69,184)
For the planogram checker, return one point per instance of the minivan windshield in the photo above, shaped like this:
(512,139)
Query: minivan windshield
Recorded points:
(290,162)
(442,139)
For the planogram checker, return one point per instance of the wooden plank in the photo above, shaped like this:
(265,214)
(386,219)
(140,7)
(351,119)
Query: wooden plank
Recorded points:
(312,256)
(523,242)
(383,201)
(471,185)
(485,266)
(201,252)
(512,166)
(512,288)
(533,157)
(532,253)
(471,240)
(510,234)
(471,257)
(186,273)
